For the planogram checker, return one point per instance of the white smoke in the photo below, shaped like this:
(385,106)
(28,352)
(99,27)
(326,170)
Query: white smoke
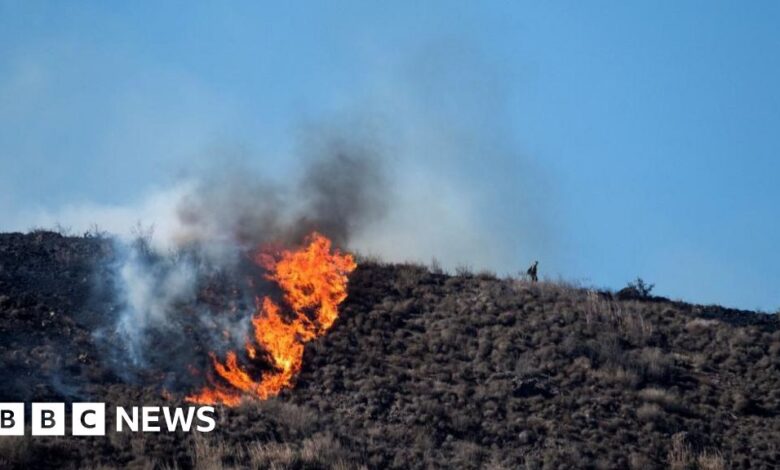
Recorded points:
(155,211)
(147,293)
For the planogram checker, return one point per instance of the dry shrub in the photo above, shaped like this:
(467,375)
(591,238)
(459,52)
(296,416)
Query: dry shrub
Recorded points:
(637,461)
(649,412)
(208,453)
(561,288)
(654,364)
(495,463)
(679,456)
(299,419)
(698,325)
(635,328)
(599,309)
(411,276)
(711,461)
(665,399)
(487,275)
(321,450)
(467,453)
(617,376)
(463,270)
(271,455)
(623,316)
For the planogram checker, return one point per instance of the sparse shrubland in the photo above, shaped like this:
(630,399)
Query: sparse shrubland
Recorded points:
(429,370)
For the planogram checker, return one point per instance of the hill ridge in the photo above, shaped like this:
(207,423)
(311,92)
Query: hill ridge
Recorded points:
(424,369)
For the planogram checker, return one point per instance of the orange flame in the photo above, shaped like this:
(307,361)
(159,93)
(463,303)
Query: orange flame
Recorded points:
(314,282)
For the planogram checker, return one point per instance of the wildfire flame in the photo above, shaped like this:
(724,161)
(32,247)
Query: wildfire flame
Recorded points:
(313,280)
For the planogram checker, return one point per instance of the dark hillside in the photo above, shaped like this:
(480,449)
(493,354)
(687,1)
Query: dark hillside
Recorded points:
(421,370)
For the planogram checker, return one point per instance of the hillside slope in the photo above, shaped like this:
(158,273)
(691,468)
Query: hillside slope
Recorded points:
(421,370)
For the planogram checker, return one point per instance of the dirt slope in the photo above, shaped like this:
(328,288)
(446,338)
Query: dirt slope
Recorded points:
(421,370)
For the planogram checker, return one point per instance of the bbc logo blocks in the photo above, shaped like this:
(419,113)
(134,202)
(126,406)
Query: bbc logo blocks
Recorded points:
(48,419)
(11,419)
(89,419)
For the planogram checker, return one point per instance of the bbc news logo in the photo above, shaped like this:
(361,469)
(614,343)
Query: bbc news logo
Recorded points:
(89,419)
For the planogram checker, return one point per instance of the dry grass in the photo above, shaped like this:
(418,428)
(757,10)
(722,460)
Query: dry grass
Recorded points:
(320,451)
(625,317)
(208,453)
(711,461)
(425,370)
(679,456)
(272,455)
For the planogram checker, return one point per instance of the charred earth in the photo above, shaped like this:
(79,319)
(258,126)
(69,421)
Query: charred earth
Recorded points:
(421,370)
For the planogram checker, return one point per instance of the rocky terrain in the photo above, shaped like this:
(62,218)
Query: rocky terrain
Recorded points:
(422,370)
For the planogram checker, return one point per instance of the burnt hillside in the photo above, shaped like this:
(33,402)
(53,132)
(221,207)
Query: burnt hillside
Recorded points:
(421,370)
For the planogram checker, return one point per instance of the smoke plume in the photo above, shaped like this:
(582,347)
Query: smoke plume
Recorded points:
(342,187)
(187,294)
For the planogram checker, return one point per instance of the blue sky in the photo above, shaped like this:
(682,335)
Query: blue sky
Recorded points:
(606,139)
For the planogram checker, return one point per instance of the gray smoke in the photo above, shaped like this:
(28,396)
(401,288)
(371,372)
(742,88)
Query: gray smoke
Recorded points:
(190,295)
(341,187)
(343,193)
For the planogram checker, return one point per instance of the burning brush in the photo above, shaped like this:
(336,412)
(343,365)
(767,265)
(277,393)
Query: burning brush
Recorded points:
(313,281)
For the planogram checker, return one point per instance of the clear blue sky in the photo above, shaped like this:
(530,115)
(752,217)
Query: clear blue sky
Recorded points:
(649,132)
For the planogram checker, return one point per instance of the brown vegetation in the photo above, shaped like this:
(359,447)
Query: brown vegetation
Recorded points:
(424,369)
